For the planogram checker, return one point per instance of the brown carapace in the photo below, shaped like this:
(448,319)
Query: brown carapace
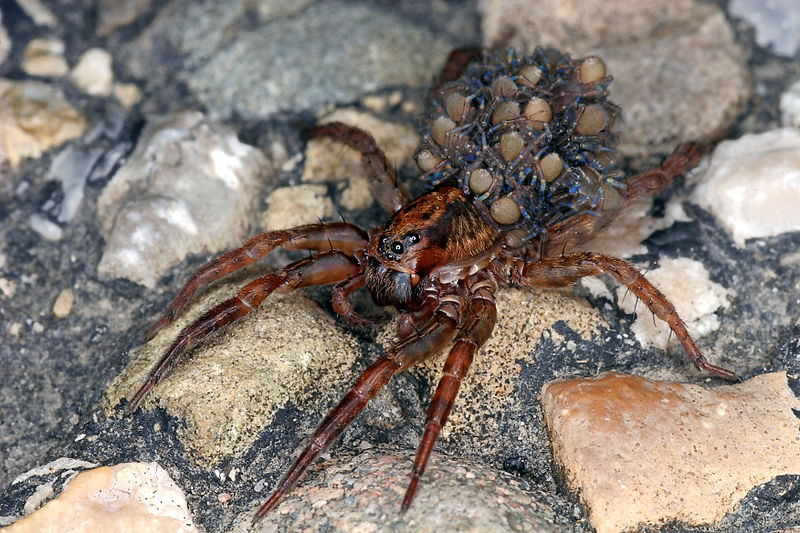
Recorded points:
(521,170)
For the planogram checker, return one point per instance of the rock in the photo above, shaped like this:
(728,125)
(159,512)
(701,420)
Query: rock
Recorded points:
(287,349)
(363,493)
(678,73)
(696,298)
(189,187)
(93,73)
(330,160)
(643,453)
(777,23)
(38,12)
(48,229)
(294,206)
(44,57)
(277,66)
(63,304)
(790,106)
(5,42)
(124,497)
(34,117)
(752,186)
(113,14)
(127,94)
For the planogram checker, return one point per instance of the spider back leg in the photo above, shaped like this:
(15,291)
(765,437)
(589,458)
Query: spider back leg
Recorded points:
(318,237)
(565,270)
(383,181)
(319,269)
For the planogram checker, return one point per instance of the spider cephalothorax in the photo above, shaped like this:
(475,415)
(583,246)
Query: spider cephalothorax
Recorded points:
(521,167)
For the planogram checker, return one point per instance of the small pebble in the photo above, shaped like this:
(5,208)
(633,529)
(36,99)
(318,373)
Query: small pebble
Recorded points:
(63,305)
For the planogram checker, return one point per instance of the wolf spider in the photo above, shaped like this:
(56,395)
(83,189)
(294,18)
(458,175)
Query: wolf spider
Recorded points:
(439,260)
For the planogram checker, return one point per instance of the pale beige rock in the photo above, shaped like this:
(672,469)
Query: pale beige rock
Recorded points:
(124,497)
(330,160)
(642,453)
(45,57)
(293,206)
(93,73)
(5,41)
(363,493)
(228,388)
(127,94)
(687,285)
(752,186)
(62,307)
(34,117)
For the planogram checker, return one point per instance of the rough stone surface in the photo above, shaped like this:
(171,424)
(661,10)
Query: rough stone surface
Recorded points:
(45,57)
(189,186)
(363,493)
(355,49)
(229,388)
(777,23)
(696,298)
(679,74)
(34,117)
(93,73)
(645,453)
(294,206)
(124,497)
(752,186)
(790,106)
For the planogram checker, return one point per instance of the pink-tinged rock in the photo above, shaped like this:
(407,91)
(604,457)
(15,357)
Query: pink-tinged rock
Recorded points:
(641,452)
(124,497)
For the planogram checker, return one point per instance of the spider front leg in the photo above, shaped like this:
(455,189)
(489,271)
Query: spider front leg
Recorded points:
(428,341)
(562,271)
(319,269)
(316,237)
(477,330)
(383,181)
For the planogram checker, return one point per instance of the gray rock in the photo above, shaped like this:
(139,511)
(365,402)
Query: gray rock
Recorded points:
(326,53)
(189,186)
(777,23)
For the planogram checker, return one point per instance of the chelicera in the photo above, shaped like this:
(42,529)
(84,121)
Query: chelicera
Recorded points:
(520,163)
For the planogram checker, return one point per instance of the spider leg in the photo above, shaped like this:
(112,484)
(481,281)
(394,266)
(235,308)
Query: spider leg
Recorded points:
(477,329)
(432,338)
(319,237)
(342,305)
(322,268)
(562,271)
(383,182)
(576,230)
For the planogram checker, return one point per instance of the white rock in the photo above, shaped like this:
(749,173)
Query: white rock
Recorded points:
(45,57)
(777,23)
(686,284)
(752,185)
(93,73)
(790,106)
(189,186)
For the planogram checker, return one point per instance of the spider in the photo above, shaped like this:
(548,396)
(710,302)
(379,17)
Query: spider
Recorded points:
(519,160)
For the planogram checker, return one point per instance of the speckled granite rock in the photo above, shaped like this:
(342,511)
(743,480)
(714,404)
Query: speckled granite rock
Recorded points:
(362,493)
(678,73)
(646,453)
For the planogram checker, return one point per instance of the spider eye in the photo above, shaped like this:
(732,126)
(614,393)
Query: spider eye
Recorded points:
(413,238)
(397,247)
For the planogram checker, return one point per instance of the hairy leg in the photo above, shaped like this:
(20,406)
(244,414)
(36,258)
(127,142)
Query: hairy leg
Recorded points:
(318,237)
(576,230)
(476,331)
(320,269)
(397,358)
(383,182)
(565,270)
